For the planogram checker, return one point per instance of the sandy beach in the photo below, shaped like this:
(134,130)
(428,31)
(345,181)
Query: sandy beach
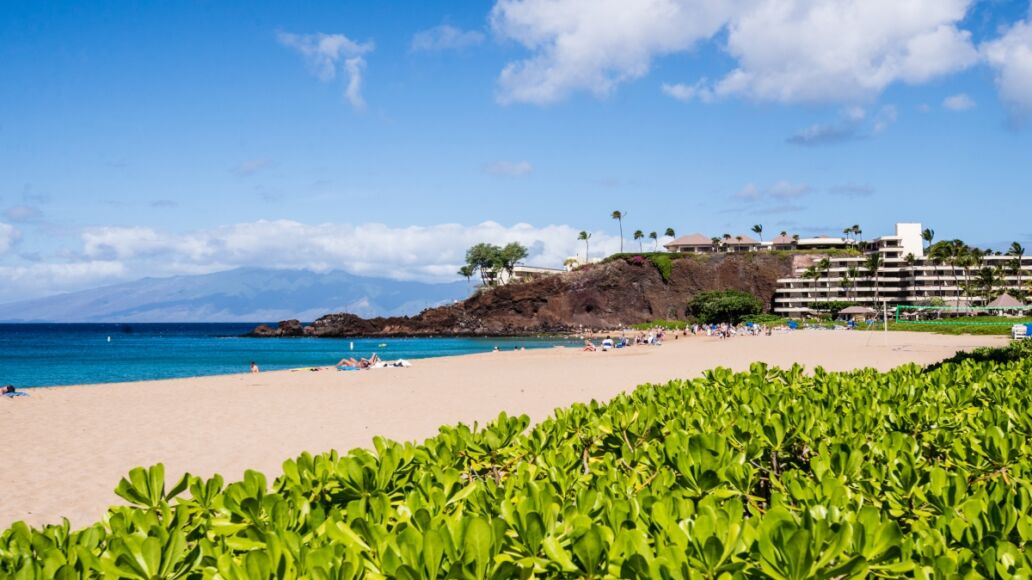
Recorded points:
(67,447)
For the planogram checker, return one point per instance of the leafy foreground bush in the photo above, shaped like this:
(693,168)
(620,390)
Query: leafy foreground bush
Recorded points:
(765,473)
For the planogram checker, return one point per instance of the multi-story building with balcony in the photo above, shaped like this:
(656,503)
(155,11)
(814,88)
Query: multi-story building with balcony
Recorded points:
(905,276)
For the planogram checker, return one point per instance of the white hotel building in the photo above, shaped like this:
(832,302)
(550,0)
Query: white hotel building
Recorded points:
(898,282)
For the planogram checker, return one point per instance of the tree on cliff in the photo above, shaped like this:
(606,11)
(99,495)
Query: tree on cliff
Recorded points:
(490,261)
(585,236)
(758,230)
(655,240)
(639,235)
(619,216)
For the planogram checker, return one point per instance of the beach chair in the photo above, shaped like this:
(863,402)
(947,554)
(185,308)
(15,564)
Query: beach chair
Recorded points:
(1019,331)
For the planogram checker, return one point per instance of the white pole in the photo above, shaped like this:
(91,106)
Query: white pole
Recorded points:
(885,321)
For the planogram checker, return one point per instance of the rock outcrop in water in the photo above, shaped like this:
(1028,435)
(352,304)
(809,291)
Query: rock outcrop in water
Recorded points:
(614,294)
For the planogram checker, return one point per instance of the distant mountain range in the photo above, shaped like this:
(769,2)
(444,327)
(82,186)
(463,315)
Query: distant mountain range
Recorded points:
(241,295)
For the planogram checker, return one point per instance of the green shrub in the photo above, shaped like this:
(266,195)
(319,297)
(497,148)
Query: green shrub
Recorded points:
(766,319)
(663,264)
(767,473)
(720,306)
(665,324)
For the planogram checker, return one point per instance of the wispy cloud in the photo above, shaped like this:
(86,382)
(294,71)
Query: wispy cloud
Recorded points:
(164,203)
(251,166)
(445,37)
(782,190)
(851,190)
(325,53)
(958,102)
(9,235)
(854,124)
(509,168)
(23,213)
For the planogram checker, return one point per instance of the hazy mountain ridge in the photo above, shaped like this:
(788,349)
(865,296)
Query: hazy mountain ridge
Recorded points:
(241,295)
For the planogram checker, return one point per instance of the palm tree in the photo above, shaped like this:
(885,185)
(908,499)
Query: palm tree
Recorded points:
(872,265)
(727,238)
(928,235)
(911,262)
(846,281)
(811,273)
(783,234)
(715,241)
(858,233)
(758,230)
(585,236)
(467,272)
(669,232)
(1018,253)
(853,273)
(795,237)
(655,240)
(619,216)
(639,235)
(846,232)
(825,267)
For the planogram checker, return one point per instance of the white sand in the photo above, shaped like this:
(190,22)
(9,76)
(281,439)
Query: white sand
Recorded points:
(65,448)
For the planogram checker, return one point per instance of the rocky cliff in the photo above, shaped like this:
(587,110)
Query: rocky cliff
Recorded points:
(602,296)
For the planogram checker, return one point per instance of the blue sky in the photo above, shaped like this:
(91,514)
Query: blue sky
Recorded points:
(179,137)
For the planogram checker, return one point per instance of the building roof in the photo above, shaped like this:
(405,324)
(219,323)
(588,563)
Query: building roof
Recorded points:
(1005,301)
(690,240)
(745,241)
(782,240)
(858,310)
(821,240)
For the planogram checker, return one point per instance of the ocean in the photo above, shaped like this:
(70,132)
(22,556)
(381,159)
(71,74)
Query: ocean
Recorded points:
(33,355)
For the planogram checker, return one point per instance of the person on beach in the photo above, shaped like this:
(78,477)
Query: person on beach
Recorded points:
(10,392)
(254,368)
(589,346)
(362,363)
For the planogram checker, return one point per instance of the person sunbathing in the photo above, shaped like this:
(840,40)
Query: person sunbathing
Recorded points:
(362,363)
(10,392)
(589,346)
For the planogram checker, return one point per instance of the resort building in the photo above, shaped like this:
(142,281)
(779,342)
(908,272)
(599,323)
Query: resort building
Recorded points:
(700,244)
(693,244)
(903,276)
(525,273)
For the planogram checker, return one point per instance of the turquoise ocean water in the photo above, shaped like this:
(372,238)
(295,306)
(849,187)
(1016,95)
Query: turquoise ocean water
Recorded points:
(34,355)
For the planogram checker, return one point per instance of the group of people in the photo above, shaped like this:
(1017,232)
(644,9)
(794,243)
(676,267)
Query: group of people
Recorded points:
(657,335)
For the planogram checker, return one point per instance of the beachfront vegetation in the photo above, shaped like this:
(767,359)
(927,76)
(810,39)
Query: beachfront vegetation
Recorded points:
(768,473)
(664,324)
(720,306)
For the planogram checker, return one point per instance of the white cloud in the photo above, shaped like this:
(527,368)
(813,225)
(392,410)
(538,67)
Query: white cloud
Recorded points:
(430,253)
(959,102)
(43,279)
(686,93)
(509,168)
(786,50)
(594,45)
(323,54)
(1011,58)
(842,50)
(9,235)
(445,37)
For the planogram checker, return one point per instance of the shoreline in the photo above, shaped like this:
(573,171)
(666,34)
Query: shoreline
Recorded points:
(69,445)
